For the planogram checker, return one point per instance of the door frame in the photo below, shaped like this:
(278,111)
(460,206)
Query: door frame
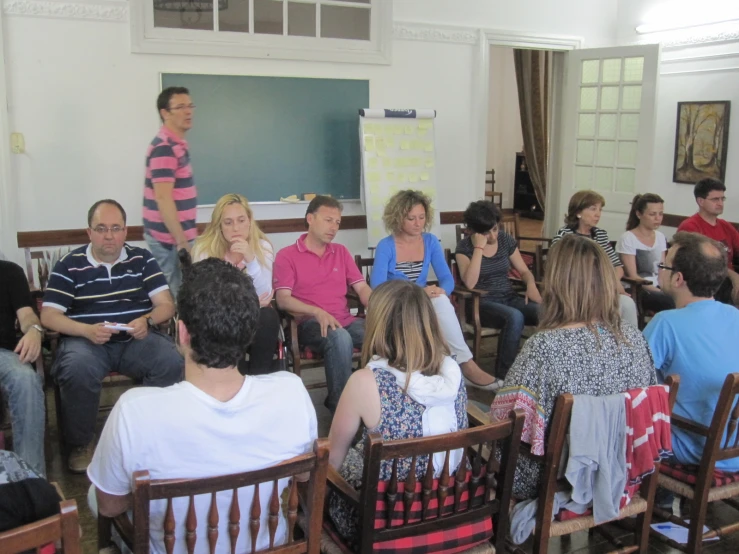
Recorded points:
(481,101)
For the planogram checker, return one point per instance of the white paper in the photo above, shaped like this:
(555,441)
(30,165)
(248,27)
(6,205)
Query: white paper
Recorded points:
(118,327)
(677,533)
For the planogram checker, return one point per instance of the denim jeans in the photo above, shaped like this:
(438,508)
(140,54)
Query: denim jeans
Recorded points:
(168,262)
(24,390)
(81,366)
(509,315)
(336,348)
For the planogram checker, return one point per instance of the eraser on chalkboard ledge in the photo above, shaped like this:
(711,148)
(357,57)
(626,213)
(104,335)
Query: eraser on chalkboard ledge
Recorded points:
(308,196)
(292,198)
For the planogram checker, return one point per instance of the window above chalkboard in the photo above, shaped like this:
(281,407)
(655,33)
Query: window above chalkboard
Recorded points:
(355,31)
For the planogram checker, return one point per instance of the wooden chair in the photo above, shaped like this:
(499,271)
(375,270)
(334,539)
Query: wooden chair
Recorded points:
(496,197)
(703,490)
(641,504)
(136,534)
(475,472)
(62,527)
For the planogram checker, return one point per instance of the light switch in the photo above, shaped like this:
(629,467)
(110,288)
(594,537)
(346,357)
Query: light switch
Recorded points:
(17,143)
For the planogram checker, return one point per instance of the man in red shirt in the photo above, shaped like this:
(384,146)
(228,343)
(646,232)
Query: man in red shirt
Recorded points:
(710,197)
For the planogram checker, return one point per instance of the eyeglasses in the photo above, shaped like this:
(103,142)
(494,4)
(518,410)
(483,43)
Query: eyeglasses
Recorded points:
(182,107)
(103,230)
(665,267)
(717,199)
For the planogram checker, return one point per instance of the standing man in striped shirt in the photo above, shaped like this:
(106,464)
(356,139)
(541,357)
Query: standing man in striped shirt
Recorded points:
(105,299)
(170,196)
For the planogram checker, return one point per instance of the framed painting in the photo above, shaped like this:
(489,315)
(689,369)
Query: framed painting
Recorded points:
(701,141)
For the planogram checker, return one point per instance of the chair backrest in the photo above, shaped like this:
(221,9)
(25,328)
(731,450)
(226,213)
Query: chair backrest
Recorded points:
(540,258)
(64,527)
(497,480)
(365,266)
(39,264)
(510,223)
(315,463)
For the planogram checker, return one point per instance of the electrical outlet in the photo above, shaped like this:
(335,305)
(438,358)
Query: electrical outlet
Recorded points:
(17,143)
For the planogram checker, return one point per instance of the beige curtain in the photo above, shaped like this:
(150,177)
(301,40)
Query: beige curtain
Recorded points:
(533,75)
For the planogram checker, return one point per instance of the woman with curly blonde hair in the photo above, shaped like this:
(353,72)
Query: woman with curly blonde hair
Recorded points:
(233,235)
(408,253)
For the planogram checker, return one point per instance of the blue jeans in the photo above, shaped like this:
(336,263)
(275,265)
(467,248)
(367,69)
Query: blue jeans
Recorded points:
(509,315)
(24,390)
(81,366)
(168,262)
(336,348)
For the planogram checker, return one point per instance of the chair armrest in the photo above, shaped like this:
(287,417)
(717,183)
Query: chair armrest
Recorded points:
(689,425)
(539,239)
(476,416)
(637,282)
(338,484)
(464,292)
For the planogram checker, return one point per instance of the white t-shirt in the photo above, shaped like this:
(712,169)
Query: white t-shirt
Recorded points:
(646,257)
(182,432)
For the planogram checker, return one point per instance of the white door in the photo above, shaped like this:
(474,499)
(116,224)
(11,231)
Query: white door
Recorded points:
(608,121)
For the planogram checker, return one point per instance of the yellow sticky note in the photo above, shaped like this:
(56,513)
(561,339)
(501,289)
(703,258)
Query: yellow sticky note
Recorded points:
(403,178)
(409,129)
(372,162)
(390,177)
(379,129)
(380,143)
(369,143)
(374,189)
(413,177)
(373,177)
(387,162)
(424,176)
(390,143)
(429,162)
(405,145)
(400,162)
(422,132)
(382,153)
(424,125)
(393,189)
(397,129)
(429,147)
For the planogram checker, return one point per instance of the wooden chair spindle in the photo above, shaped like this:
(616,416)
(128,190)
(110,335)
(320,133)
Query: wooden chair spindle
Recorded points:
(428,485)
(443,491)
(392,494)
(169,525)
(254,515)
(459,485)
(234,519)
(292,510)
(191,524)
(274,513)
(410,491)
(213,523)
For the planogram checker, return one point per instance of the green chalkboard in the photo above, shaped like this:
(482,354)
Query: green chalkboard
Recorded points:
(270,137)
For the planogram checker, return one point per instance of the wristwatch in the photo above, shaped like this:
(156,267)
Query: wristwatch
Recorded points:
(149,322)
(39,329)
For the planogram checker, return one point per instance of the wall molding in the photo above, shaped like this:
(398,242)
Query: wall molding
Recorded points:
(95,10)
(406,30)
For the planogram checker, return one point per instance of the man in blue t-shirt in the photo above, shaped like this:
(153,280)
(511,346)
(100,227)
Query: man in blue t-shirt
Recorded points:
(698,340)
(106,300)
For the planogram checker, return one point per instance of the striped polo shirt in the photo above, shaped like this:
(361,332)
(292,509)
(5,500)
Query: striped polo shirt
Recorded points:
(168,159)
(598,235)
(92,292)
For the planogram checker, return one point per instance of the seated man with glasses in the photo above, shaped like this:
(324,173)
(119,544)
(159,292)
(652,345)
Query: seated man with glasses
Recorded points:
(698,340)
(105,299)
(710,197)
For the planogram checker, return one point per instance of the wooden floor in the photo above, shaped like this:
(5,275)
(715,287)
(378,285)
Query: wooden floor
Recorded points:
(76,486)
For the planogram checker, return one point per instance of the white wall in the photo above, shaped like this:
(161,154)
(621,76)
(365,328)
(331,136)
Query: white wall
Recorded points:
(505,137)
(700,71)
(85,103)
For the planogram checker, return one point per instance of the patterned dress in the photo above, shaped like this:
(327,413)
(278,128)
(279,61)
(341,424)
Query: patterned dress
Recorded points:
(568,360)
(400,418)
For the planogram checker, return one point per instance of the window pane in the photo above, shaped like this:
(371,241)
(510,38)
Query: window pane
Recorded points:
(609,98)
(586,128)
(588,98)
(629,126)
(583,177)
(357,1)
(625,180)
(627,153)
(611,70)
(268,17)
(590,69)
(235,17)
(197,15)
(345,22)
(603,178)
(633,69)
(632,97)
(607,125)
(301,19)
(606,152)
(584,151)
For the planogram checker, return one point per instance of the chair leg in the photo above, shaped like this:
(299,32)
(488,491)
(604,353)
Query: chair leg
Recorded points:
(59,420)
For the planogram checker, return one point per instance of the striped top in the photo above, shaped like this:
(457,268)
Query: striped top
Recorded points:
(412,270)
(598,235)
(92,292)
(167,160)
(494,269)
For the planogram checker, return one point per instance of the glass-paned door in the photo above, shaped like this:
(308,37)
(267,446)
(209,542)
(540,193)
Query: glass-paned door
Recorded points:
(608,126)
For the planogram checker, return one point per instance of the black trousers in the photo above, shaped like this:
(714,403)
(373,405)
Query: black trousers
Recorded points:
(264,345)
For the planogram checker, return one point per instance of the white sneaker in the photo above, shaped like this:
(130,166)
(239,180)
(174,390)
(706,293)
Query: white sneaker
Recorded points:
(492,387)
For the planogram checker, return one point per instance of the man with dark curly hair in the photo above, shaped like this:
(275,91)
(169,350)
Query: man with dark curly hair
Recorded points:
(216,422)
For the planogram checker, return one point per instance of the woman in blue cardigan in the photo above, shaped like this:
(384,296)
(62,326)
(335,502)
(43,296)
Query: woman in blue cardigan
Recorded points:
(407,254)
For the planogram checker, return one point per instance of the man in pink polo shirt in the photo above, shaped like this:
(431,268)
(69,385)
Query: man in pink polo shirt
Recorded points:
(311,279)
(710,195)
